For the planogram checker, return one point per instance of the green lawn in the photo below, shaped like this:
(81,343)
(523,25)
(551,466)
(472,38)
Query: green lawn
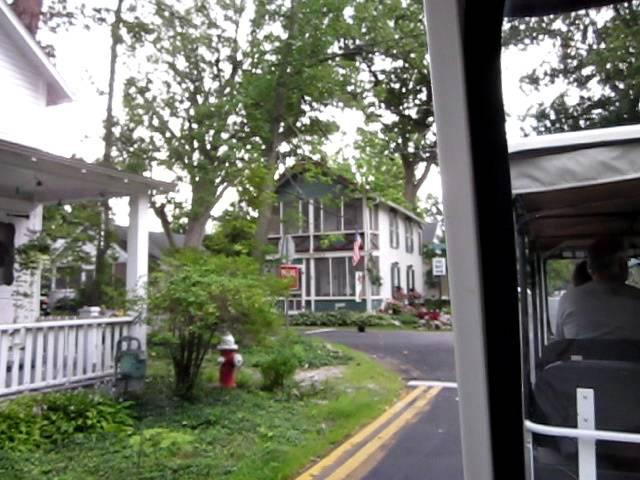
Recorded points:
(244,434)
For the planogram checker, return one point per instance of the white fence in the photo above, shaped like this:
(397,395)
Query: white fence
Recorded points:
(35,356)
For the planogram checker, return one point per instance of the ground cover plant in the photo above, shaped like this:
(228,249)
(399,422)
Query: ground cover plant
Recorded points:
(346,318)
(244,434)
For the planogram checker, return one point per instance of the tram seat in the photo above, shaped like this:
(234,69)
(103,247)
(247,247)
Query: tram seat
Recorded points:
(590,349)
(616,386)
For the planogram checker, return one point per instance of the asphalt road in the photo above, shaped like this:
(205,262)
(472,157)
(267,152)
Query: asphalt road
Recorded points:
(430,447)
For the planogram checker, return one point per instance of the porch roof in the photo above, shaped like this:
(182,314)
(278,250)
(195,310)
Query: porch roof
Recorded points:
(34,175)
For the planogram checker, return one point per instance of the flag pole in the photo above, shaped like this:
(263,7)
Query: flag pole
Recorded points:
(367,249)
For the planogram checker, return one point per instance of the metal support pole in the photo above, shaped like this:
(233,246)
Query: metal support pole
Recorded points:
(586,447)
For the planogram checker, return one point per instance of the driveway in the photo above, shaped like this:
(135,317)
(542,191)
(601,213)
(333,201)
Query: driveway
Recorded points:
(428,448)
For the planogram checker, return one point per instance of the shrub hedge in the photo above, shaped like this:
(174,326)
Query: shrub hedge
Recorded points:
(50,419)
(341,318)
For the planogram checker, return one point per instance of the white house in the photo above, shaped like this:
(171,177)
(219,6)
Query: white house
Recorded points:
(35,354)
(66,278)
(322,217)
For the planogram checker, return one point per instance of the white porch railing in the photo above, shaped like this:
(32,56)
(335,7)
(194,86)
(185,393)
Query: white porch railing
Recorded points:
(42,355)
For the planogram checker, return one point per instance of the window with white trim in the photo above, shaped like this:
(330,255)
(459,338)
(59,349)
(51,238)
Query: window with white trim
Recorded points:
(323,277)
(274,221)
(332,215)
(374,266)
(394,230)
(408,235)
(7,252)
(373,217)
(395,275)
(352,214)
(334,277)
(411,278)
(339,281)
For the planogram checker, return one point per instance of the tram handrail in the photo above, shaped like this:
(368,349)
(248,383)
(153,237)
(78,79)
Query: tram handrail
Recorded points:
(610,435)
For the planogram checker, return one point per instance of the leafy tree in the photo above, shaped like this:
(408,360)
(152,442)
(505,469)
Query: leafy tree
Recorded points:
(373,173)
(395,88)
(57,16)
(559,274)
(295,71)
(596,69)
(197,296)
(183,106)
(233,235)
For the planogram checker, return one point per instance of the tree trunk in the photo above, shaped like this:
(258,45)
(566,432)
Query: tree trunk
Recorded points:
(410,188)
(266,207)
(411,183)
(195,231)
(101,274)
(202,202)
(116,38)
(28,11)
(271,158)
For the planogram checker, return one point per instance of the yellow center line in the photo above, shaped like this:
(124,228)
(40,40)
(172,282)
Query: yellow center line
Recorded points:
(314,471)
(365,452)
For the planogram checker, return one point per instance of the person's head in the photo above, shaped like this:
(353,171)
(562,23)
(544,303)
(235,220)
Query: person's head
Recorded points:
(581,274)
(606,261)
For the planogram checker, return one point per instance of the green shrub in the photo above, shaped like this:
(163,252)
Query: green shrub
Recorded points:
(49,419)
(341,318)
(437,304)
(278,368)
(307,352)
(248,379)
(407,319)
(195,296)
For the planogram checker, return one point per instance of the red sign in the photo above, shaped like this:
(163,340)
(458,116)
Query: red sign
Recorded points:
(291,272)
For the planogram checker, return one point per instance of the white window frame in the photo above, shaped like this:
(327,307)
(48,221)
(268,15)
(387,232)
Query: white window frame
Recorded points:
(394,229)
(396,274)
(411,277)
(374,218)
(408,235)
(332,294)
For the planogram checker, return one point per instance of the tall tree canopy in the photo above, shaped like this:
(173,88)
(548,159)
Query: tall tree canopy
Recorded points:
(183,107)
(390,39)
(597,68)
(297,68)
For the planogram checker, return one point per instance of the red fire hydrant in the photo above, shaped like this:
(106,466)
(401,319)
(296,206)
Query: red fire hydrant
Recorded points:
(229,361)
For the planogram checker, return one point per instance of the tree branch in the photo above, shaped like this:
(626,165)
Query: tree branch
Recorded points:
(161,213)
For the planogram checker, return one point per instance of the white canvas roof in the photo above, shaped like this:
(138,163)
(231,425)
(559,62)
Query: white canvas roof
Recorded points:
(578,185)
(575,159)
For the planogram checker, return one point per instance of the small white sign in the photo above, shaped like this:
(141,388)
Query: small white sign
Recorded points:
(439,265)
(359,286)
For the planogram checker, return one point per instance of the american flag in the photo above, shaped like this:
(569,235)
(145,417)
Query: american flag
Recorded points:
(357,243)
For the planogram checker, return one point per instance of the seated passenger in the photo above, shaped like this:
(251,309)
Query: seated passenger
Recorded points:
(605,307)
(581,274)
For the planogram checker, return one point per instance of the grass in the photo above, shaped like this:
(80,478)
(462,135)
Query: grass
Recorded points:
(243,434)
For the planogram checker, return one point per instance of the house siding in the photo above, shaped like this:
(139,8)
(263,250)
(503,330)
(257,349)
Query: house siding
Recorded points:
(400,255)
(23,93)
(325,301)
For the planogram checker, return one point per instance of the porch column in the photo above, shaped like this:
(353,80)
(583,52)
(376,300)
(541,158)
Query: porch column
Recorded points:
(138,253)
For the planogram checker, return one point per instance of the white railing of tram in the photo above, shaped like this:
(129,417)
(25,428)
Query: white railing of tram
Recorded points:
(43,355)
(586,435)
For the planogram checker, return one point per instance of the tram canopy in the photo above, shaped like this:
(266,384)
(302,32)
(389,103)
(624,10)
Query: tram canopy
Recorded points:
(571,187)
